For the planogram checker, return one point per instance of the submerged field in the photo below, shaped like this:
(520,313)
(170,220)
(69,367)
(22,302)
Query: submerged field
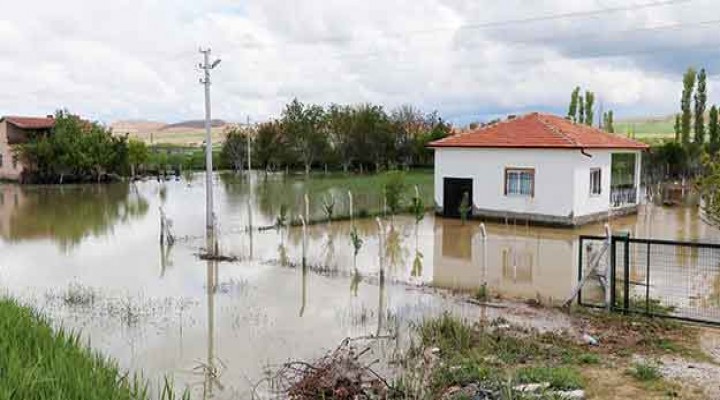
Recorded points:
(89,258)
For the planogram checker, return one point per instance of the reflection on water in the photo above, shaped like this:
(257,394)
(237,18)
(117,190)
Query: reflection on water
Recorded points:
(216,326)
(66,214)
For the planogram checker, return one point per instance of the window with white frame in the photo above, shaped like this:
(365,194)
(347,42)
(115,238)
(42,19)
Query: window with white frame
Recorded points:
(520,182)
(595,181)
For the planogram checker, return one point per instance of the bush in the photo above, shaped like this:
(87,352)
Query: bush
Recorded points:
(645,371)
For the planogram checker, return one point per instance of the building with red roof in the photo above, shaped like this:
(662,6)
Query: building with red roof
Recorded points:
(538,167)
(16,130)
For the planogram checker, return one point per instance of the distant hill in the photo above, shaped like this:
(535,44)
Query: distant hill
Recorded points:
(184,133)
(194,124)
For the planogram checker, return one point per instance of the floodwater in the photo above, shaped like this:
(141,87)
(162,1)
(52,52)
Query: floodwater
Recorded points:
(89,257)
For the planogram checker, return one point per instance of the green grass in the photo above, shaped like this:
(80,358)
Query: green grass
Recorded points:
(367,190)
(37,362)
(561,378)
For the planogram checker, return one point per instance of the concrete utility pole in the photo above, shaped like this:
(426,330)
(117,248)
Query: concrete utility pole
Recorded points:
(206,66)
(249,148)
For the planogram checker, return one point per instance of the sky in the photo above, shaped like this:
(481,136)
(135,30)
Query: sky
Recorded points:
(471,60)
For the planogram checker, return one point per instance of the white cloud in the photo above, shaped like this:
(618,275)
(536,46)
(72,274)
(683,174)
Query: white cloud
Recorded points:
(136,59)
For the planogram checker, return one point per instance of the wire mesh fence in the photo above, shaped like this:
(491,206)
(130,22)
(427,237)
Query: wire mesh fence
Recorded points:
(656,277)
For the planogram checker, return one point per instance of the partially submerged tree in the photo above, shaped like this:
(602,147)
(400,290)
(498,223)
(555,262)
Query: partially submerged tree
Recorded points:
(234,148)
(138,154)
(709,185)
(465,207)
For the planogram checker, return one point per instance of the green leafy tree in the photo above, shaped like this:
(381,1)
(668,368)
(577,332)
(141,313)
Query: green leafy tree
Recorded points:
(138,154)
(573,107)
(341,127)
(589,108)
(304,127)
(685,105)
(408,124)
(714,130)
(608,122)
(678,128)
(269,145)
(700,106)
(234,148)
(75,148)
(709,185)
(581,111)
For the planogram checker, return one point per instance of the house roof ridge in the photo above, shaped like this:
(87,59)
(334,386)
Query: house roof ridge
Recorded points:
(558,131)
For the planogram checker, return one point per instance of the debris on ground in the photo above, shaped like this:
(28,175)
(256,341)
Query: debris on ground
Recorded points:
(342,374)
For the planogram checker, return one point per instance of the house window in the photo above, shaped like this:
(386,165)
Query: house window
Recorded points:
(595,181)
(520,182)
(14,162)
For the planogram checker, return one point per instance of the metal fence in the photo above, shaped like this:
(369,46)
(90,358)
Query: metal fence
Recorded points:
(654,277)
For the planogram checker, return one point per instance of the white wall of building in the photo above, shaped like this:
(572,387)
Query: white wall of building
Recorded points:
(554,178)
(562,178)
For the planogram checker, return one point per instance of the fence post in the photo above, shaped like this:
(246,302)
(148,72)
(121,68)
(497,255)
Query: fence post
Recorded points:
(580,270)
(611,283)
(647,281)
(626,283)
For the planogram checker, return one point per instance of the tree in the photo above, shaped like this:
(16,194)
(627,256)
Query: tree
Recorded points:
(589,107)
(709,185)
(138,154)
(408,124)
(581,111)
(234,148)
(340,122)
(304,127)
(685,105)
(678,128)
(268,145)
(573,108)
(714,130)
(608,122)
(75,148)
(700,105)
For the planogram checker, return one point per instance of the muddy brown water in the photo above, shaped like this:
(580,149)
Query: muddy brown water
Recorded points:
(89,257)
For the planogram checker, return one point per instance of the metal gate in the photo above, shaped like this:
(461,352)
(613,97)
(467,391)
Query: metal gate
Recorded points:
(662,278)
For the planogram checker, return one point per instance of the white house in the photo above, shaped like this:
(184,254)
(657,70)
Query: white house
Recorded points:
(538,167)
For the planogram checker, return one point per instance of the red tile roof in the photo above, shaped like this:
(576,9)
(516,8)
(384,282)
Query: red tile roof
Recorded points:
(31,122)
(538,131)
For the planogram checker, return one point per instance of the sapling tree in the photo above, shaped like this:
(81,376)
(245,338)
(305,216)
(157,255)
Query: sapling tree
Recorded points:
(329,207)
(281,219)
(357,244)
(418,206)
(394,186)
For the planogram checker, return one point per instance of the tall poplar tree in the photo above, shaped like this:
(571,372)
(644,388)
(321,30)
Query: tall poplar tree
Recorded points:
(700,105)
(589,107)
(714,130)
(572,109)
(685,104)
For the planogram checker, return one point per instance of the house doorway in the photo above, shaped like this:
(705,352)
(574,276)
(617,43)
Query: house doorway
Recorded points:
(454,189)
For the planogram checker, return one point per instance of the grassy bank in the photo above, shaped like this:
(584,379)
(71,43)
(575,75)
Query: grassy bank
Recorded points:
(37,362)
(454,359)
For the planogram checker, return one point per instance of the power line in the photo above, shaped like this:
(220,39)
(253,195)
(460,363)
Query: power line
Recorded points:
(483,25)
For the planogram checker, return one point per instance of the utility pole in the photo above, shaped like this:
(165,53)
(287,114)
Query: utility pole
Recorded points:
(249,148)
(206,66)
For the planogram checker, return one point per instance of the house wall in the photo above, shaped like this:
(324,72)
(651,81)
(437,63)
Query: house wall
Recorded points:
(554,178)
(587,204)
(562,180)
(8,170)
